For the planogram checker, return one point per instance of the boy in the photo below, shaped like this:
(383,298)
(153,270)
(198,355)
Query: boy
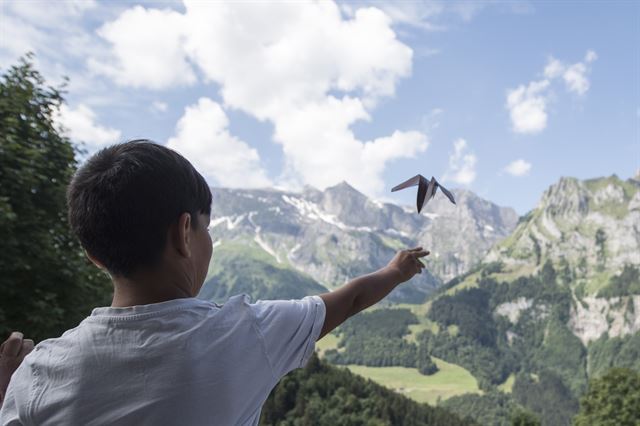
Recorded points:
(158,355)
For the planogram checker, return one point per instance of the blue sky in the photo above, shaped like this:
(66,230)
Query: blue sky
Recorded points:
(502,98)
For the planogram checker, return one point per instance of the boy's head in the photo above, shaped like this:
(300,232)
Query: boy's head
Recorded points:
(128,201)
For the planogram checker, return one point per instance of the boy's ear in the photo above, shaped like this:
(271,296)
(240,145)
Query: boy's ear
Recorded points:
(95,261)
(184,235)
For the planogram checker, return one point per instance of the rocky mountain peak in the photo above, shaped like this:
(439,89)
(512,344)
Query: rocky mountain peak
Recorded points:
(590,225)
(566,197)
(352,207)
(336,234)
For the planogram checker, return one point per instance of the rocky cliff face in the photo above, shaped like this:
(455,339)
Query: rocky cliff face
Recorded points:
(337,234)
(592,317)
(588,229)
(592,226)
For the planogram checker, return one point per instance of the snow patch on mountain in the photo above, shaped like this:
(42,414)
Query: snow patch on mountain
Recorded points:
(231,221)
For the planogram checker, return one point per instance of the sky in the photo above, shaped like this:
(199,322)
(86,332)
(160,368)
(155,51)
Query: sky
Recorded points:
(501,98)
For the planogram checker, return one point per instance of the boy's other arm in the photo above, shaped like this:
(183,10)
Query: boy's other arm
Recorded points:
(12,353)
(366,290)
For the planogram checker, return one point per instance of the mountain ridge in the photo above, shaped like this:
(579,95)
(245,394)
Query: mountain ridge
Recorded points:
(337,234)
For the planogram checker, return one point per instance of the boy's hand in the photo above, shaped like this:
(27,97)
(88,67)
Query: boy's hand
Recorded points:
(12,352)
(406,263)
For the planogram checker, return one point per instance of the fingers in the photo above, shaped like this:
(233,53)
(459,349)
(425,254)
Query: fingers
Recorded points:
(27,347)
(12,346)
(418,252)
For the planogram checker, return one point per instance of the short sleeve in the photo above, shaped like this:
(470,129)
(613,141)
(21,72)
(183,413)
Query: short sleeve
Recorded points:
(289,329)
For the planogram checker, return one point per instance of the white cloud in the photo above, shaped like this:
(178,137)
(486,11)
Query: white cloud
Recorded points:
(527,107)
(159,106)
(431,15)
(147,49)
(32,26)
(203,137)
(462,165)
(431,121)
(518,167)
(49,17)
(58,35)
(554,68)
(417,14)
(528,104)
(575,76)
(302,66)
(79,124)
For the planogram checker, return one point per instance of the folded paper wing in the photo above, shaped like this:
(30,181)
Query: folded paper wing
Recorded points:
(411,182)
(448,194)
(431,191)
(426,189)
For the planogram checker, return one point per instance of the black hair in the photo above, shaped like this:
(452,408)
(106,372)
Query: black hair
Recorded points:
(123,200)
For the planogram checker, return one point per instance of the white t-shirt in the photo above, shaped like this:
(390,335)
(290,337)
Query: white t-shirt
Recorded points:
(180,362)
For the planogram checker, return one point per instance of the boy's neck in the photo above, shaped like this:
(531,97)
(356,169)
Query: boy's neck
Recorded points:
(147,288)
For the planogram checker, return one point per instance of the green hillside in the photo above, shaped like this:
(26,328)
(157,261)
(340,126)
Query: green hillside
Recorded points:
(532,350)
(321,394)
(243,268)
(449,381)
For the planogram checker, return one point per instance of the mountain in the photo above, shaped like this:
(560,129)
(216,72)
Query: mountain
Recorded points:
(551,306)
(238,268)
(593,226)
(590,231)
(335,235)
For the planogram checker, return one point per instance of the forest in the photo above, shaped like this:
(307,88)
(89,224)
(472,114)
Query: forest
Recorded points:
(548,361)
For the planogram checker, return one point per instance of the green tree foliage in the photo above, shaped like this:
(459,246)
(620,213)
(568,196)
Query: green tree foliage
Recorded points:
(487,364)
(601,241)
(376,339)
(469,310)
(540,340)
(425,363)
(491,408)
(478,343)
(548,273)
(524,418)
(320,394)
(562,352)
(612,400)
(566,274)
(546,396)
(46,284)
(625,284)
(607,352)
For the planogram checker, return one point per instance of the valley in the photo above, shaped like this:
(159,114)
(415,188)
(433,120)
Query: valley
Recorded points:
(553,301)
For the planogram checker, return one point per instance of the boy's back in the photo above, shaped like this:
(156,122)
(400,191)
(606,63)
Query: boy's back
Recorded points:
(159,355)
(184,361)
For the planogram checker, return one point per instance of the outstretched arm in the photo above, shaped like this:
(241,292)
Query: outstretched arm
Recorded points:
(364,291)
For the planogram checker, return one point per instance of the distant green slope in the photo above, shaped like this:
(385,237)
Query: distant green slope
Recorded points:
(450,380)
(321,394)
(239,268)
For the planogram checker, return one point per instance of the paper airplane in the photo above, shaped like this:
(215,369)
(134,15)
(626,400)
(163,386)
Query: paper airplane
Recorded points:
(426,189)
